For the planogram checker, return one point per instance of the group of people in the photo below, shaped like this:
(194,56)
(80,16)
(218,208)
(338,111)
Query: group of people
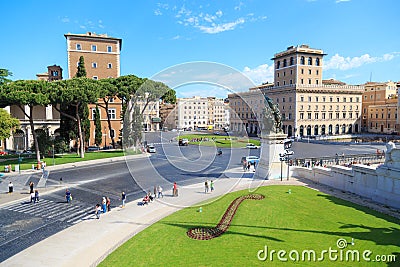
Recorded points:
(157,190)
(247,166)
(208,186)
(105,206)
(34,194)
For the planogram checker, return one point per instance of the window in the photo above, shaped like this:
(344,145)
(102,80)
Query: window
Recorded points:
(302,81)
(337,99)
(351,115)
(278,65)
(316,81)
(290,99)
(94,47)
(290,116)
(112,113)
(302,60)
(323,116)
(330,116)
(284,73)
(277,84)
(317,61)
(316,116)
(283,100)
(309,72)
(309,81)
(323,99)
(344,99)
(344,115)
(94,113)
(331,99)
(317,71)
(316,99)
(337,116)
(301,116)
(309,99)
(94,65)
(78,47)
(284,63)
(277,74)
(109,65)
(111,100)
(302,98)
(302,71)
(291,61)
(95,78)
(310,61)
(351,99)
(109,49)
(309,115)
(291,82)
(54,73)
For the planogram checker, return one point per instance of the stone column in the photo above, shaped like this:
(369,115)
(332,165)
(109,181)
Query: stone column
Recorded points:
(269,166)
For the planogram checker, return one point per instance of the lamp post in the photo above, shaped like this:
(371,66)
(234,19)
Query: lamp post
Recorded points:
(54,163)
(105,136)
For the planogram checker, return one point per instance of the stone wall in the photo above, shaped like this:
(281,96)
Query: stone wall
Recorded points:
(381,184)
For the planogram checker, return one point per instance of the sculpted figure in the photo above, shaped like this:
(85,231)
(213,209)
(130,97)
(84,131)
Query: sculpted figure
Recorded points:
(272,118)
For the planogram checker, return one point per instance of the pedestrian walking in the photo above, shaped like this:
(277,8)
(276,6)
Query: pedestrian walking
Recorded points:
(160,193)
(108,204)
(123,198)
(155,191)
(97,211)
(244,165)
(104,205)
(32,196)
(10,187)
(206,187)
(175,190)
(36,199)
(31,187)
(212,185)
(68,195)
(248,166)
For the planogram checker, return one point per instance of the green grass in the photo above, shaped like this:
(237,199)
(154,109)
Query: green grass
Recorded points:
(220,140)
(60,159)
(303,220)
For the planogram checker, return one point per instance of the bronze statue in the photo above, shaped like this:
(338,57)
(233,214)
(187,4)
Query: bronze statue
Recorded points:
(272,118)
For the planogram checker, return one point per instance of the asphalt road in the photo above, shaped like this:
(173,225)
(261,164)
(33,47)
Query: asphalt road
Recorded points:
(23,223)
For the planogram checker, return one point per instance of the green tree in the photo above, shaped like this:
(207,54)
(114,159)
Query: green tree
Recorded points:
(4,73)
(98,136)
(81,68)
(26,93)
(108,91)
(77,93)
(84,115)
(169,97)
(7,124)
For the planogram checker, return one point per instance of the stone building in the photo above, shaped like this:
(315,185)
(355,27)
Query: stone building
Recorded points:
(379,107)
(309,105)
(192,113)
(101,54)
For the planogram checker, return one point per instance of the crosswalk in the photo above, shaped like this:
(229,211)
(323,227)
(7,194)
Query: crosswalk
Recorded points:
(70,213)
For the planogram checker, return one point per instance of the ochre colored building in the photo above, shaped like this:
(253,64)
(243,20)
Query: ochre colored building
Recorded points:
(101,54)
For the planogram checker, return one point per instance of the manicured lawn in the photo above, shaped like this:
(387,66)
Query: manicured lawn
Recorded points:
(218,140)
(60,159)
(303,220)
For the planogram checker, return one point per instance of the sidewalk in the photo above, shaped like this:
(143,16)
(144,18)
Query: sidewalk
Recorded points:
(89,242)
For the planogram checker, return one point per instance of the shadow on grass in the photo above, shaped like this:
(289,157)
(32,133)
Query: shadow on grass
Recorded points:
(188,226)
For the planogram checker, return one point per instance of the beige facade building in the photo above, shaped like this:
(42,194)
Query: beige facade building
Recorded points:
(101,54)
(377,101)
(309,105)
(192,113)
(217,113)
(151,116)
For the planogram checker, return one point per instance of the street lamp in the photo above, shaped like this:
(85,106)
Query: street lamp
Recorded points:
(105,136)
(53,137)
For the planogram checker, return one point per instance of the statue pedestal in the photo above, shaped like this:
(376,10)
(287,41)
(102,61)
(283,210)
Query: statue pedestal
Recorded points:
(269,166)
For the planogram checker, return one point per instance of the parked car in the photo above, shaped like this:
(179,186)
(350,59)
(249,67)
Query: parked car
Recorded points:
(93,148)
(250,159)
(251,146)
(3,153)
(151,149)
(183,142)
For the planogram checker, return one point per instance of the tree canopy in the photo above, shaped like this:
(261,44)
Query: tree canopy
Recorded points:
(7,124)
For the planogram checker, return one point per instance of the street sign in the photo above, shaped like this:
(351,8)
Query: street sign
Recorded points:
(287,144)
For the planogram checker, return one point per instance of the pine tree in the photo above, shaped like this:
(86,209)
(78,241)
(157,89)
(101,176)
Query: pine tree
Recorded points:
(81,68)
(98,138)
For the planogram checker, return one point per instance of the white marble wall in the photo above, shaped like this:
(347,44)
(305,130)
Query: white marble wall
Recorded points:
(380,184)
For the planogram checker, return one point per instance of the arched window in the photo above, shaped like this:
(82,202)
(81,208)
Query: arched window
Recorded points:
(284,63)
(302,61)
(278,64)
(291,61)
(317,61)
(309,61)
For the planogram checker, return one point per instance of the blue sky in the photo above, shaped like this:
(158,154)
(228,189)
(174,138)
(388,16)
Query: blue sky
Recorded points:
(361,38)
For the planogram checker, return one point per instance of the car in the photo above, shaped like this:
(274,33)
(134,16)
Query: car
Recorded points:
(3,153)
(251,146)
(183,142)
(251,159)
(217,133)
(93,148)
(151,149)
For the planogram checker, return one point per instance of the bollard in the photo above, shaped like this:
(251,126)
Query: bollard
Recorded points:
(290,191)
(201,209)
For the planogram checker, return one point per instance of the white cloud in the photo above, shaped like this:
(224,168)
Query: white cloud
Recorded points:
(342,63)
(65,20)
(176,37)
(218,13)
(239,6)
(340,1)
(217,28)
(157,12)
(260,74)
